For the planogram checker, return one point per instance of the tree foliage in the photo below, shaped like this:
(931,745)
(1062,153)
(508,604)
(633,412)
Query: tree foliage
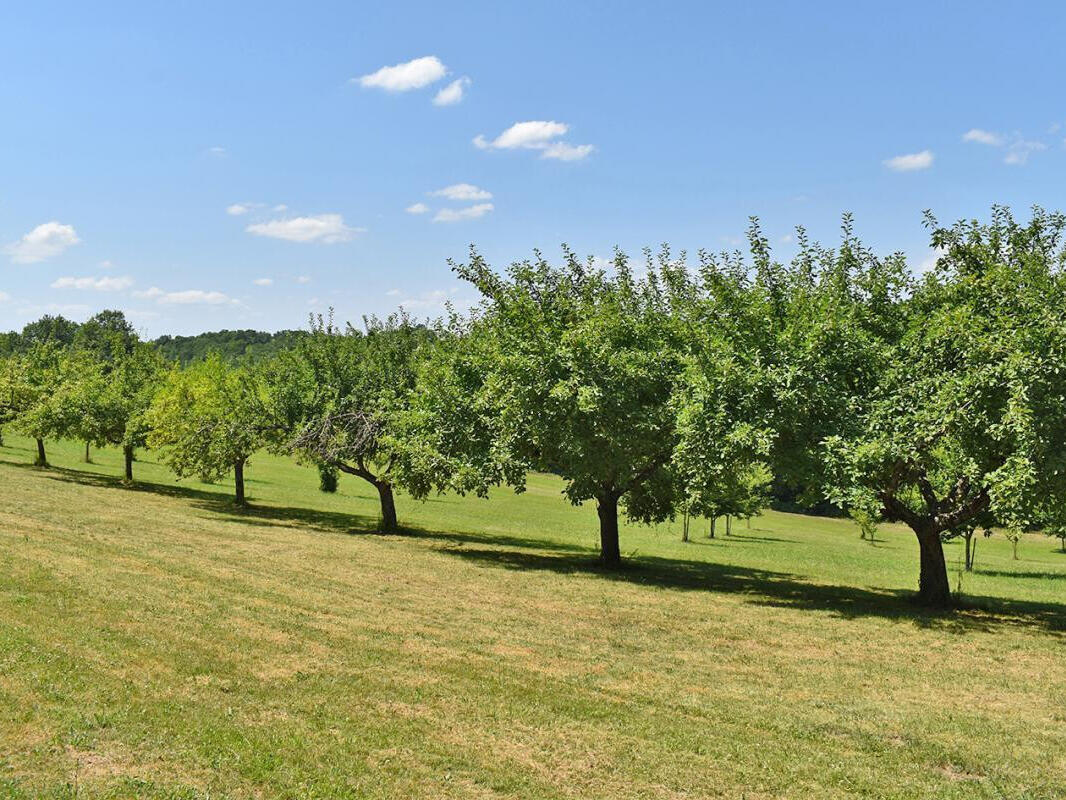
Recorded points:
(582,369)
(209,419)
(968,417)
(337,398)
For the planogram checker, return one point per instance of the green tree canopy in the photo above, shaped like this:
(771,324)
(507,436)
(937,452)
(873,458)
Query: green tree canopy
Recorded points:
(582,369)
(968,417)
(209,419)
(339,395)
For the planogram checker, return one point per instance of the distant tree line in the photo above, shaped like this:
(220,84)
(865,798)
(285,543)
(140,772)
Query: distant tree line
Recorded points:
(230,346)
(658,389)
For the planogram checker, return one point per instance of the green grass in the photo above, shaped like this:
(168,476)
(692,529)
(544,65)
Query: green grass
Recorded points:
(156,643)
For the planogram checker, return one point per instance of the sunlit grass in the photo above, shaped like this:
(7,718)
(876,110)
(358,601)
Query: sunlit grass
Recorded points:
(155,642)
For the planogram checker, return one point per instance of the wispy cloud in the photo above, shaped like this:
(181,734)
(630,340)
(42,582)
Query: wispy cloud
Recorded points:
(325,228)
(435,300)
(462,192)
(186,297)
(542,135)
(567,152)
(45,241)
(263,281)
(452,93)
(910,162)
(1018,151)
(460,214)
(980,136)
(417,208)
(404,77)
(239,209)
(103,284)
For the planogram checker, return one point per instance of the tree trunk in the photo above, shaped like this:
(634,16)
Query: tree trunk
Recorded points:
(967,538)
(711,534)
(1014,547)
(607,509)
(934,590)
(388,506)
(42,459)
(1063,540)
(728,525)
(127,454)
(88,457)
(684,529)
(238,482)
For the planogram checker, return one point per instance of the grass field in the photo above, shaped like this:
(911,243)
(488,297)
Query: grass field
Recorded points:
(155,643)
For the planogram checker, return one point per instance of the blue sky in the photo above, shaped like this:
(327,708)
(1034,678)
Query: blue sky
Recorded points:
(130,132)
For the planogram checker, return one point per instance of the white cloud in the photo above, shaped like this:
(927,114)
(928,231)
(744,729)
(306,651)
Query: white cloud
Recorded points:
(107,264)
(983,137)
(194,297)
(437,300)
(72,310)
(404,77)
(104,284)
(567,152)
(326,228)
(458,215)
(927,261)
(4,297)
(263,281)
(186,297)
(45,241)
(462,192)
(237,209)
(281,207)
(217,152)
(910,162)
(417,208)
(452,93)
(536,135)
(393,293)
(304,279)
(1019,151)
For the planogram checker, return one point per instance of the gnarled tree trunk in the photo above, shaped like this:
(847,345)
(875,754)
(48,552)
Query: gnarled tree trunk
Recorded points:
(42,459)
(607,510)
(389,521)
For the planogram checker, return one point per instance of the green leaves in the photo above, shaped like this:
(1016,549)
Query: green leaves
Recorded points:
(207,418)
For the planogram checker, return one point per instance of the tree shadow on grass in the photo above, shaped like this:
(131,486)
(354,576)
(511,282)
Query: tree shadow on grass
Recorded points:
(759,586)
(745,537)
(256,514)
(1006,573)
(785,590)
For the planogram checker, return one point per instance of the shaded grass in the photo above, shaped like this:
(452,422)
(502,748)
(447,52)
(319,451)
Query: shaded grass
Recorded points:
(157,642)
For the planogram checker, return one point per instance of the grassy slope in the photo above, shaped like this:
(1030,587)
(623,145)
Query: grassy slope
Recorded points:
(154,643)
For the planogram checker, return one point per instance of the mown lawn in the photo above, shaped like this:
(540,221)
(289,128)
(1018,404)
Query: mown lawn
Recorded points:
(156,643)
